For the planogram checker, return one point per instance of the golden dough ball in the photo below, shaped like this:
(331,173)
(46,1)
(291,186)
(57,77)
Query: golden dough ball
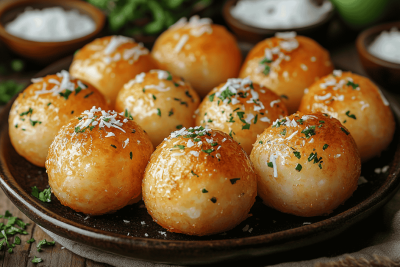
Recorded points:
(307,164)
(199,182)
(287,64)
(110,62)
(97,161)
(359,105)
(242,109)
(159,102)
(43,108)
(203,53)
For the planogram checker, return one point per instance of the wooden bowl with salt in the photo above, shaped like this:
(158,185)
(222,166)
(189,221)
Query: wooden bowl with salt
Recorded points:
(46,52)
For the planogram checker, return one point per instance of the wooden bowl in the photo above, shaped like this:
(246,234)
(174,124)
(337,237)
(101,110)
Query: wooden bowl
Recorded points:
(381,71)
(46,52)
(255,34)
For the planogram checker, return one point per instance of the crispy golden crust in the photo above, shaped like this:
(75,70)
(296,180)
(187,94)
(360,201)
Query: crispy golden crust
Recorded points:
(205,61)
(95,174)
(304,66)
(32,134)
(180,188)
(159,111)
(92,65)
(362,110)
(222,116)
(330,165)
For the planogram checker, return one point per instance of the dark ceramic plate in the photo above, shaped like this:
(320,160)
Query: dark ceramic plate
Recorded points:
(272,232)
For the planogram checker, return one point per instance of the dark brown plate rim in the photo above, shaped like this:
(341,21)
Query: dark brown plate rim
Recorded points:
(197,251)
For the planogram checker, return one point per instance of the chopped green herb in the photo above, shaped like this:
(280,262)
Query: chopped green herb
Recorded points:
(344,121)
(270,164)
(210,120)
(231,133)
(260,142)
(320,166)
(158,112)
(194,175)
(211,97)
(297,154)
(36,260)
(169,78)
(208,151)
(234,180)
(312,156)
(180,146)
(10,250)
(33,123)
(246,126)
(321,121)
(266,70)
(354,85)
(30,110)
(91,127)
(214,144)
(344,130)
(197,139)
(17,240)
(300,121)
(143,90)
(171,112)
(16,125)
(77,90)
(72,112)
(189,95)
(48,104)
(44,196)
(180,126)
(31,240)
(204,190)
(265,61)
(298,167)
(154,97)
(325,147)
(176,84)
(213,200)
(255,119)
(283,132)
(310,131)
(44,242)
(86,96)
(251,85)
(350,115)
(130,154)
(284,96)
(65,94)
(113,146)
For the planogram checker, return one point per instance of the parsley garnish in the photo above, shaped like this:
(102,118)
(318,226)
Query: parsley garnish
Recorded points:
(176,84)
(214,144)
(189,95)
(158,112)
(77,90)
(33,123)
(325,147)
(65,94)
(208,151)
(350,115)
(180,146)
(234,180)
(266,70)
(283,132)
(30,110)
(300,121)
(72,112)
(213,200)
(171,112)
(260,142)
(344,130)
(113,146)
(16,125)
(143,90)
(298,167)
(197,139)
(354,85)
(48,104)
(310,131)
(194,175)
(265,61)
(231,133)
(154,97)
(36,260)
(255,119)
(86,96)
(44,196)
(246,126)
(128,115)
(179,126)
(169,78)
(284,96)
(31,240)
(297,154)
(211,97)
(270,164)
(210,120)
(130,154)
(17,240)
(204,190)
(44,242)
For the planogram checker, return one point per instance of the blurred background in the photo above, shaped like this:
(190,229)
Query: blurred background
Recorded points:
(335,24)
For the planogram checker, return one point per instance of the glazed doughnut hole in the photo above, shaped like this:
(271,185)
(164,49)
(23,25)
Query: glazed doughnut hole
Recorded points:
(359,105)
(96,162)
(242,109)
(199,182)
(159,102)
(307,164)
(43,108)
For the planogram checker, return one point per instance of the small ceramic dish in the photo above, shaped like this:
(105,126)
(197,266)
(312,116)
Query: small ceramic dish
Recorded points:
(46,52)
(383,72)
(253,34)
(132,233)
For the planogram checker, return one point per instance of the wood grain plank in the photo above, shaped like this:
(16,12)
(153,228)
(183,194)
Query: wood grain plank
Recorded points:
(90,263)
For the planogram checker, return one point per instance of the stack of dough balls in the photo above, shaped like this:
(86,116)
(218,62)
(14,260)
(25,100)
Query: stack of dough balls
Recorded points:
(159,102)
(287,64)
(109,62)
(359,105)
(307,164)
(43,108)
(199,182)
(203,53)
(97,161)
(242,109)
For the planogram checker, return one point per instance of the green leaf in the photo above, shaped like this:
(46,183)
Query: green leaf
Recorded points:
(31,240)
(17,240)
(44,196)
(36,260)
(44,242)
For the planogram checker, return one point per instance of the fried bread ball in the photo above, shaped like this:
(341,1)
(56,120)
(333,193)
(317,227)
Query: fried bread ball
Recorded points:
(110,62)
(357,103)
(199,182)
(307,164)
(242,109)
(43,108)
(203,53)
(97,161)
(287,64)
(159,102)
